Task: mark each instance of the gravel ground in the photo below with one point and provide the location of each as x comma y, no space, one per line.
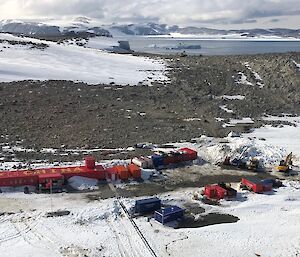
39,114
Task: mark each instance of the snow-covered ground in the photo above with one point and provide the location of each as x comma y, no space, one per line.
268,226
71,62
242,79
286,136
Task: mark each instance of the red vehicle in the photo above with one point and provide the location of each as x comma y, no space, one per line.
214,192
188,154
253,185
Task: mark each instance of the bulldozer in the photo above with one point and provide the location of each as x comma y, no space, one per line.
253,164
285,165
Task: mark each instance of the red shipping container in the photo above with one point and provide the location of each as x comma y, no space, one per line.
255,185
134,171
90,162
179,157
214,192
169,159
122,172
267,187
189,154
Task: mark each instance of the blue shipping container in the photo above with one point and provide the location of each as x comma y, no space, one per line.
158,160
147,205
168,214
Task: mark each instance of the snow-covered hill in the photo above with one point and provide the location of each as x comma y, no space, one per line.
84,26
24,58
80,27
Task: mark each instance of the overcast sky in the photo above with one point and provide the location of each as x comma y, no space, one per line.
209,13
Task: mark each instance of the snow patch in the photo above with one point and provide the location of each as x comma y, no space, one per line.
192,119
241,121
286,136
297,65
243,79
292,119
232,97
224,108
70,62
257,77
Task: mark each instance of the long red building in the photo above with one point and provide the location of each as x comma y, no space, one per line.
32,177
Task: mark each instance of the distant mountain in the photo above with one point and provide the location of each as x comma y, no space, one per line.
85,27
79,28
163,29
142,30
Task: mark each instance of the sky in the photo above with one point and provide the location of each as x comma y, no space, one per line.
209,13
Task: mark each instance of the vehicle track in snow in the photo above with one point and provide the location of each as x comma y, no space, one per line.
121,247
26,229
132,226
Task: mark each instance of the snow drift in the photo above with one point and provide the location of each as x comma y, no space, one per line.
82,183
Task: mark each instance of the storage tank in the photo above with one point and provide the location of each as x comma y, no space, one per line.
90,162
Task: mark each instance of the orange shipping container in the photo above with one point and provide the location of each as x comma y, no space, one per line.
134,170
121,170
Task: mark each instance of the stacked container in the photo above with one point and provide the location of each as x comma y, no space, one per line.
134,171
143,162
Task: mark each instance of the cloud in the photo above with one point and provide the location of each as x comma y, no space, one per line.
181,12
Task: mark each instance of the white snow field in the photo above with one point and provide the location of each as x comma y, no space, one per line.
70,62
286,136
268,226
